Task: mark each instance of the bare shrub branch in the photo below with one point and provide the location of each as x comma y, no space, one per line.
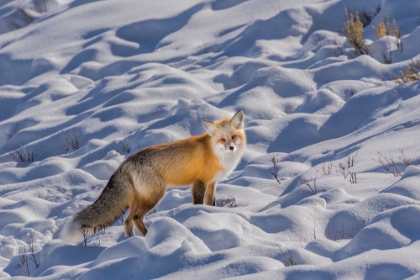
275,170
288,258
226,202
388,164
15,130
291,158
404,159
344,171
23,262
72,140
353,178
29,240
327,168
308,186
22,154
351,159
387,59
344,233
345,168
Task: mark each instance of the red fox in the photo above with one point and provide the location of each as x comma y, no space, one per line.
140,181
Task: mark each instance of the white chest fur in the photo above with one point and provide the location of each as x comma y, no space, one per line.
229,161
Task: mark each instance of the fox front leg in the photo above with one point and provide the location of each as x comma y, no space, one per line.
198,190
209,194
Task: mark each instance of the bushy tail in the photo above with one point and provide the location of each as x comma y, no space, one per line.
109,207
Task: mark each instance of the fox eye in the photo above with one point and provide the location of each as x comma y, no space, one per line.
233,137
223,139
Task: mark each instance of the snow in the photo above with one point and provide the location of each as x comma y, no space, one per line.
120,75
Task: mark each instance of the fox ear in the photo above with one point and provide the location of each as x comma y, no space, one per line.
237,120
209,126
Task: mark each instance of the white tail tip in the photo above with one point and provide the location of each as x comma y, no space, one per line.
72,231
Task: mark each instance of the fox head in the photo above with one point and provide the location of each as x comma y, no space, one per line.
228,134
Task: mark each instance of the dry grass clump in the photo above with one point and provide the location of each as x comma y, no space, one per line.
384,28
353,30
411,73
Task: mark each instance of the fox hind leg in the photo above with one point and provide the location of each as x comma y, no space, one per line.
145,205
128,224
198,190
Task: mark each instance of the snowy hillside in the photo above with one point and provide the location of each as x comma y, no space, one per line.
328,188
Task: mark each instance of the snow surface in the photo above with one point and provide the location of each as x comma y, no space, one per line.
121,75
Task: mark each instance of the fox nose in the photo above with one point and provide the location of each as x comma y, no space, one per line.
231,148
